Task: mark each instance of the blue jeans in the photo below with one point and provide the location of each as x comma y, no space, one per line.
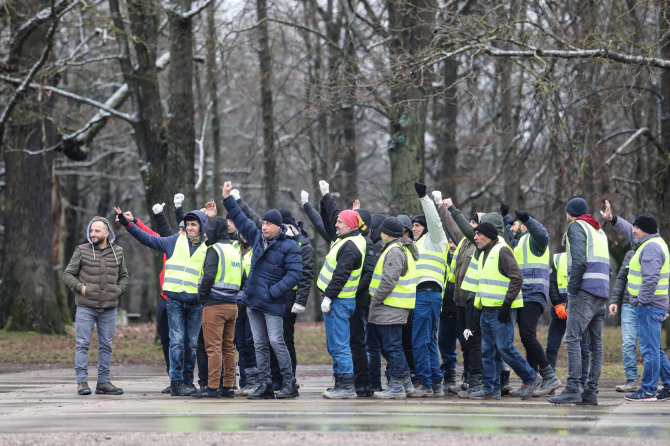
447,334
498,346
424,343
268,330
391,347
629,341
338,335
656,364
373,346
184,321
84,321
585,320
554,339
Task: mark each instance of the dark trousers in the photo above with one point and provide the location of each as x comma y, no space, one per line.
201,359
289,329
390,337
447,334
554,339
472,350
359,355
244,341
527,318
407,342
163,330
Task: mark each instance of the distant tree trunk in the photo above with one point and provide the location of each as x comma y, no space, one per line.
27,295
445,117
270,179
411,23
181,121
213,89
348,117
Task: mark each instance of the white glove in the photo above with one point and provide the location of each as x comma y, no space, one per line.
297,308
304,197
467,333
325,305
323,185
437,196
235,194
178,200
157,208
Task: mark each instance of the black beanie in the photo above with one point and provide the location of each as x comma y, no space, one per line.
365,216
420,219
285,214
392,227
475,218
488,229
647,223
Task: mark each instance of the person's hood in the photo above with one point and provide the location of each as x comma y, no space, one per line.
406,221
110,238
376,227
199,215
496,219
590,220
292,229
304,236
216,230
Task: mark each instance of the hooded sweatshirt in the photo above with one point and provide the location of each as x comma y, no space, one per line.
577,238
167,245
102,271
217,232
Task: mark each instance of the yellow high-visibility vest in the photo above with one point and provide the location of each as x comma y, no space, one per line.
493,286
635,269
183,270
329,265
403,294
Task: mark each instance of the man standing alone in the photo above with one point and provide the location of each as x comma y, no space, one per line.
98,276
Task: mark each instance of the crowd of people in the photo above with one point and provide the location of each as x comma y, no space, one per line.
406,289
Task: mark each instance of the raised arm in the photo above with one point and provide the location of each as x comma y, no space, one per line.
249,212
244,225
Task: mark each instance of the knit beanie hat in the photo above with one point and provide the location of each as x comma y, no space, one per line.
366,217
488,229
647,223
273,216
285,213
392,227
420,219
351,218
576,207
405,221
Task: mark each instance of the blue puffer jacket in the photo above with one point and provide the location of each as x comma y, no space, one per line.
275,268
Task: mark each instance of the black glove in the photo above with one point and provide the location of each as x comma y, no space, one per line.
420,189
523,216
123,220
504,314
504,208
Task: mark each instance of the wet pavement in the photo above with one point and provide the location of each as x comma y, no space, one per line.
37,405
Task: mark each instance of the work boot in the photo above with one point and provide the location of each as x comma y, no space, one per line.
227,392
206,393
589,398
448,381
407,384
344,389
484,395
570,395
421,391
107,389
630,386
528,389
437,389
168,389
505,386
288,390
252,382
474,385
263,392
550,382
395,389
179,388
192,386
83,389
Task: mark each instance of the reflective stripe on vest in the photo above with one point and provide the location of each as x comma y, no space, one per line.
229,276
431,264
635,270
183,270
561,265
295,288
596,279
493,285
329,265
471,279
246,261
451,271
403,294
535,270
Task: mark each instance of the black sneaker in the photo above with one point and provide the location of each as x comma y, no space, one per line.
227,392
179,388
83,389
206,393
168,389
107,389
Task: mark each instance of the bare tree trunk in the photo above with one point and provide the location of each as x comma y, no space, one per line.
270,179
213,89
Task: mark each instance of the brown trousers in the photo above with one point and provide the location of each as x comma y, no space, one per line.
218,330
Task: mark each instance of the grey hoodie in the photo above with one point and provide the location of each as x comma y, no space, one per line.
395,265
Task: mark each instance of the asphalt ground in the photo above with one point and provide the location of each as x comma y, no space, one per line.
42,407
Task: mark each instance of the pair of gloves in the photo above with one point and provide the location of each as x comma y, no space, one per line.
158,207
323,186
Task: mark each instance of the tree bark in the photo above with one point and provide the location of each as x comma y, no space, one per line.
212,86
